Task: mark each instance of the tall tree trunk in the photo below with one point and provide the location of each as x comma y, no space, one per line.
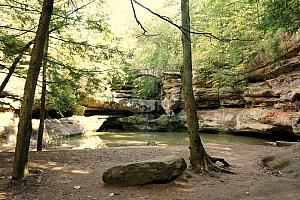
197,152
14,65
39,146
20,169
199,159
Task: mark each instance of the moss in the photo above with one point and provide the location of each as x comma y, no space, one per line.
281,165
268,159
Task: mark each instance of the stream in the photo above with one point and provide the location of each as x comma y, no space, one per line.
116,139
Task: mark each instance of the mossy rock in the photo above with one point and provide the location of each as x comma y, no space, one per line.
145,172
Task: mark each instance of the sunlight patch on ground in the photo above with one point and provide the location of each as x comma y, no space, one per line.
181,182
218,147
56,168
126,143
77,171
49,165
188,190
2,195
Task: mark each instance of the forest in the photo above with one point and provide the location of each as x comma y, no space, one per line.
140,99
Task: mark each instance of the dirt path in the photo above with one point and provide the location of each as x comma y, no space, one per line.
57,173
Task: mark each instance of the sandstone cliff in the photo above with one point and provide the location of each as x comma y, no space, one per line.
263,107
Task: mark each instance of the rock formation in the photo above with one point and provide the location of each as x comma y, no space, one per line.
159,171
261,108
264,107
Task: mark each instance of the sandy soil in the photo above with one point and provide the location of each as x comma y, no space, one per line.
76,174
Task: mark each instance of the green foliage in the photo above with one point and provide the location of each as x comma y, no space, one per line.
242,27
10,46
163,48
219,61
86,58
62,96
83,53
147,87
279,15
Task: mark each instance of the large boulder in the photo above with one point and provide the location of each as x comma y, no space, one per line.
75,125
142,173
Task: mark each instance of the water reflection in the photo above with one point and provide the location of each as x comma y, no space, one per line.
108,139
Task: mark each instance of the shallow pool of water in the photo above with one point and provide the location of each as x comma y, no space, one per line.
101,139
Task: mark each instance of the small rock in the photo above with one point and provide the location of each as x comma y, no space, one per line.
151,143
111,194
76,187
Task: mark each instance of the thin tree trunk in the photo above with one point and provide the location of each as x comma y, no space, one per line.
197,152
39,146
199,159
20,169
14,65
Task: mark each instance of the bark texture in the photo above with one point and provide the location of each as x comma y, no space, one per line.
39,146
20,170
199,159
197,152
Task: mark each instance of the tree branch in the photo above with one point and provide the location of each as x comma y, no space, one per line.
168,20
136,19
14,65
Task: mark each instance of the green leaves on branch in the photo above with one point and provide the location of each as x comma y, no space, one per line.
147,87
279,15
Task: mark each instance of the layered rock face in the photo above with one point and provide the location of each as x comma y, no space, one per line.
281,59
252,121
263,107
122,106
171,86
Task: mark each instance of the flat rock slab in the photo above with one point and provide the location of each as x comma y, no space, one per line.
161,171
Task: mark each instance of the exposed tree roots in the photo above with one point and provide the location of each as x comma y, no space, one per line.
208,164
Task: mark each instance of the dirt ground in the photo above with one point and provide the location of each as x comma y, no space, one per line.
76,174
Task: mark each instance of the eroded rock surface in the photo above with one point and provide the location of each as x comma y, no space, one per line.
123,105
159,171
172,97
259,121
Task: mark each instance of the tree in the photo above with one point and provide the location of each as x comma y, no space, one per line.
39,145
81,46
199,159
20,169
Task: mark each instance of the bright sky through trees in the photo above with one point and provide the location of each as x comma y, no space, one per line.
121,15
